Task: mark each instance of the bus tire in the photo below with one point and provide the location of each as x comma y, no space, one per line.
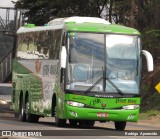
22,114
73,123
86,123
59,122
30,117
89,123
120,125
81,123
33,118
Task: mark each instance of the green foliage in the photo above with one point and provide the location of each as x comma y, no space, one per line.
40,11
123,11
150,102
151,38
150,106
149,114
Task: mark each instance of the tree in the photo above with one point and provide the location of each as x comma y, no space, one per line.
40,11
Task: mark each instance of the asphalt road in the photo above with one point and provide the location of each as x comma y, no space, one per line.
46,127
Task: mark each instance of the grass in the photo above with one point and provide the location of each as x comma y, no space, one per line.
149,115
150,106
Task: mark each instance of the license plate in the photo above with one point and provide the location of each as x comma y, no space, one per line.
102,114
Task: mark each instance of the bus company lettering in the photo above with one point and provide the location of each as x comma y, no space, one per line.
126,101
79,98
95,101
104,96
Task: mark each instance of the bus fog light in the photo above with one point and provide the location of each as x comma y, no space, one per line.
73,113
130,107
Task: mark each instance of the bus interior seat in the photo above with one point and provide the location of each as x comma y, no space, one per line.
80,72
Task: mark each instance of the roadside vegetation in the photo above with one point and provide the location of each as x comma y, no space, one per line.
150,107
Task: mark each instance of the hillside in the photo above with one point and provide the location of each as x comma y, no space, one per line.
150,104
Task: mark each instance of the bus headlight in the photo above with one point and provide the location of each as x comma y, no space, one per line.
3,102
75,104
130,107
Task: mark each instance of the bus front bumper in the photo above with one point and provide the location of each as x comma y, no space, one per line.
101,114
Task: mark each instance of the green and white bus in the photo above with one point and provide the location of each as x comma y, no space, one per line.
80,69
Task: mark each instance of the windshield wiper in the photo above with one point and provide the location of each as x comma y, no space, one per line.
104,86
117,89
93,85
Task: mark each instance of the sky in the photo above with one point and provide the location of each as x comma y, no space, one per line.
6,3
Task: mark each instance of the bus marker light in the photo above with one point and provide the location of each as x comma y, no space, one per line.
99,114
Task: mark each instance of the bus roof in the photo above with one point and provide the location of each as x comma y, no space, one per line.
92,24
101,28
38,28
77,19
82,24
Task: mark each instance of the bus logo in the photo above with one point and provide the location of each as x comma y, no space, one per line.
38,65
103,104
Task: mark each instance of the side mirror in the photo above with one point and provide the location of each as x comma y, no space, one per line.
149,59
63,57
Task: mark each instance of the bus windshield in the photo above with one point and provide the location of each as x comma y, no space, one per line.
103,63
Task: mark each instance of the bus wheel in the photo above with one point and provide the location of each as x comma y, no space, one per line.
120,125
82,123
89,123
86,123
30,117
59,122
73,123
22,114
